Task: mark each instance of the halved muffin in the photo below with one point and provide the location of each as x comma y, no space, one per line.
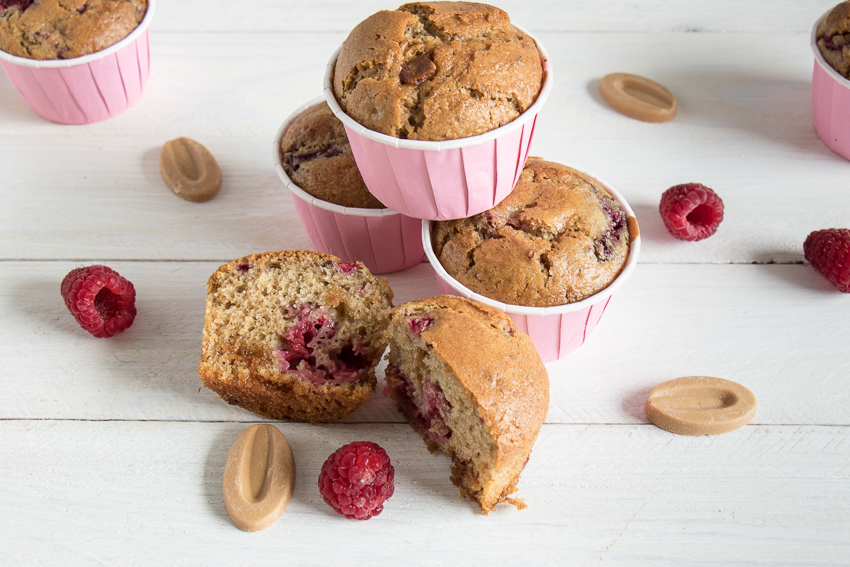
294,334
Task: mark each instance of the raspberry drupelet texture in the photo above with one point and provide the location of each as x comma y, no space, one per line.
356,480
691,211
102,302
828,251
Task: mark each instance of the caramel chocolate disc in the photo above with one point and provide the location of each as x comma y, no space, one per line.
638,97
189,170
700,405
259,477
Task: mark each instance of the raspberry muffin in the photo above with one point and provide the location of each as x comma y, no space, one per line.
473,386
437,71
315,154
833,38
54,29
294,335
558,238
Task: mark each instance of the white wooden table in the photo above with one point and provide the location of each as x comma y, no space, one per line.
111,452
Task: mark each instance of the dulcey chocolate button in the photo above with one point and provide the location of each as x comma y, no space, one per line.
189,170
638,97
259,477
700,405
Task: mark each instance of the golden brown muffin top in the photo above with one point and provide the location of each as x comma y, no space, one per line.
64,29
497,363
833,38
558,238
317,157
437,71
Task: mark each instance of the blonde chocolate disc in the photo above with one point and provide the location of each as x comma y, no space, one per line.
638,97
259,477
700,405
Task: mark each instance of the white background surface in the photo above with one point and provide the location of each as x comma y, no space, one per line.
111,452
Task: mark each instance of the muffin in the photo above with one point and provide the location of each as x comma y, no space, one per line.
473,386
315,154
294,335
437,71
50,29
558,238
833,38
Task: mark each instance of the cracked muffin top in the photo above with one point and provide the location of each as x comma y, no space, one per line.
437,71
558,238
64,29
834,38
315,154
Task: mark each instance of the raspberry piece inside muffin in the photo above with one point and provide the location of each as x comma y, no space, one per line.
427,411
828,251
102,302
691,211
20,4
306,349
357,479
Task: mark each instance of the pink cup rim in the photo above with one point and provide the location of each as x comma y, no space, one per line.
822,63
628,268
523,118
63,63
301,193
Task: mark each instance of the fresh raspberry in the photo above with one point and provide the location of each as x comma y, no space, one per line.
828,251
102,302
691,211
356,479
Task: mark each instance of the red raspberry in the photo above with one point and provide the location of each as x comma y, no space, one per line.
102,302
828,251
356,479
691,211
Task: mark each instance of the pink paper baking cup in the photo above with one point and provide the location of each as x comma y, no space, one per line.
86,89
555,331
442,180
383,239
830,101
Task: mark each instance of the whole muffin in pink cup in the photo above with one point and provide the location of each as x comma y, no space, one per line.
830,43
550,255
313,158
79,61
439,101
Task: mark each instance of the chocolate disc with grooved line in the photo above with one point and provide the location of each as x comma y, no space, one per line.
189,170
700,405
259,477
638,97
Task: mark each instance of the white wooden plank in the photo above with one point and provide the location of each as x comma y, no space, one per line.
570,15
744,129
779,330
141,493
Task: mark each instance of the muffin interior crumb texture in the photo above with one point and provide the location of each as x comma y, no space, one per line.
558,238
833,38
64,29
473,386
437,71
294,334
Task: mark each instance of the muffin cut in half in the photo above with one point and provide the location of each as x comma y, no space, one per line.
473,386
294,335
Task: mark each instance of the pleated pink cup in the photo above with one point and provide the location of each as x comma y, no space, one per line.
383,239
442,180
830,101
555,331
86,89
